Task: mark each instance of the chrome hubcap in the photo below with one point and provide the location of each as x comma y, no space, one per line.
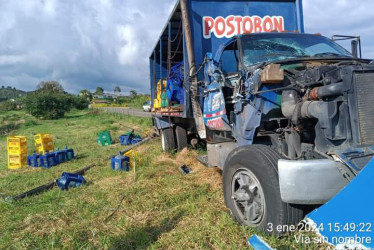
248,197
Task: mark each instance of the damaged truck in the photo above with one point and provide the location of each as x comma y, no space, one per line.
287,116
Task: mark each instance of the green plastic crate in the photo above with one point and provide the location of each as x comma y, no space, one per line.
104,138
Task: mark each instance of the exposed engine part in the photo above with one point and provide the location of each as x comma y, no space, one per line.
289,100
272,74
314,76
334,89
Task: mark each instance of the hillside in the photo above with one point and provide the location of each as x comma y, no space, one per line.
7,93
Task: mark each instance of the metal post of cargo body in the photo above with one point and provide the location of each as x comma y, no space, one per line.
154,75
161,62
169,48
198,116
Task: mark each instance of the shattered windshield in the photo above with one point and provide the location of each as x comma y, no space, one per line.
274,47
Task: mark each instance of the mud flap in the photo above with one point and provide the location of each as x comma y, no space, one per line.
347,220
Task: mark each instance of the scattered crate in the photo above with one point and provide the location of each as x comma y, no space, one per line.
16,141
104,138
15,162
43,143
17,152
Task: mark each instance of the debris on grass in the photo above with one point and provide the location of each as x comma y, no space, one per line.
69,180
185,169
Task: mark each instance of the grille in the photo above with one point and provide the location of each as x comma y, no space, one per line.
365,104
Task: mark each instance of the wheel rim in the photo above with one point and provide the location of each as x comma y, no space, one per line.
248,197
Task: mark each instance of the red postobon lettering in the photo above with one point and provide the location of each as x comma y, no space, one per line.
235,25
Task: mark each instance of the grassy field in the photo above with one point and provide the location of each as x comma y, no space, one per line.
155,207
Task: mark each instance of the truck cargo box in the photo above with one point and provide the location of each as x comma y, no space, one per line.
213,23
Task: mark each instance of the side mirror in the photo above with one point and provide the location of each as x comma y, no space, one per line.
354,47
355,44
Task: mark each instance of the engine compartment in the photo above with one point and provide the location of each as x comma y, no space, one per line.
312,113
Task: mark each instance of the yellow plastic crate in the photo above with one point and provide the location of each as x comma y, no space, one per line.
133,157
44,144
17,150
40,138
17,165
16,141
17,159
42,150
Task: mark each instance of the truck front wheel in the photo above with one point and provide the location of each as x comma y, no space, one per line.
251,190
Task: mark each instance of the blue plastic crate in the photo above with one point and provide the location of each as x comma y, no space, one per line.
33,160
69,180
48,160
120,162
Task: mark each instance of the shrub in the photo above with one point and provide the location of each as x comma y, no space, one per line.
47,105
79,103
8,106
52,105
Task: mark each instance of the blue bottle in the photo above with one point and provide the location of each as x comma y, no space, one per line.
120,162
33,160
60,156
69,153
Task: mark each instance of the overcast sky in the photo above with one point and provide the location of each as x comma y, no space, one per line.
89,43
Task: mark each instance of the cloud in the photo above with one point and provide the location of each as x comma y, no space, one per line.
342,17
89,43
82,44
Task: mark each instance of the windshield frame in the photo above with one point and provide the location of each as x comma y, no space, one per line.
296,58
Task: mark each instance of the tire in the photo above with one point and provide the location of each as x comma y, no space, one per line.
167,139
181,136
258,204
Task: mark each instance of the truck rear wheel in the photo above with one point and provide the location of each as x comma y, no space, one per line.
167,139
181,135
251,190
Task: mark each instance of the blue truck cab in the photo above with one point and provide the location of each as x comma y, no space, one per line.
286,115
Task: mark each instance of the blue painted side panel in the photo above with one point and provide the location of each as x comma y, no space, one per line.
351,212
258,243
200,8
215,116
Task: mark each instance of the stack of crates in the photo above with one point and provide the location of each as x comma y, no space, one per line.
160,99
43,143
104,138
17,152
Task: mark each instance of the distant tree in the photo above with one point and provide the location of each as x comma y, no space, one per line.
117,89
51,105
8,87
99,91
86,94
133,93
47,105
79,102
50,86
3,87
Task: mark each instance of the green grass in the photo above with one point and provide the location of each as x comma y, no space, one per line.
158,206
